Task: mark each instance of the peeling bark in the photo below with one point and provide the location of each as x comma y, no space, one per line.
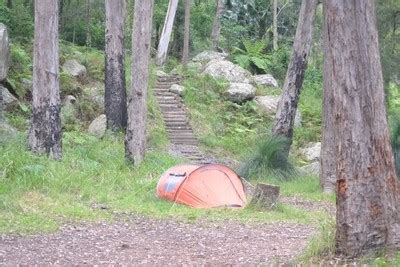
135,138
286,110
115,88
45,131
367,218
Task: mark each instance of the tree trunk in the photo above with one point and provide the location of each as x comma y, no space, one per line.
185,53
216,28
328,158
115,90
88,22
286,111
275,25
166,32
367,218
45,131
135,139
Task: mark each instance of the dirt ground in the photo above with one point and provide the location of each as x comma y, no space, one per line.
143,240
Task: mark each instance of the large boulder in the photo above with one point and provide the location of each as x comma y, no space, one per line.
98,126
177,89
265,80
74,68
224,69
4,52
207,56
312,152
269,104
240,92
7,100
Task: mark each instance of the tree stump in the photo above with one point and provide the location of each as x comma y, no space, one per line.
265,196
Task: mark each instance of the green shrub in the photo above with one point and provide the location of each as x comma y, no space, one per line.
21,68
268,159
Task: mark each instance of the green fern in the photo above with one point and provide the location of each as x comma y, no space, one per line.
252,56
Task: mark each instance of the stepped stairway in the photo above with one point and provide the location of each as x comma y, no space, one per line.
183,141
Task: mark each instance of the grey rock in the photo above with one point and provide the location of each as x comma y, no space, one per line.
95,95
74,68
4,52
312,152
207,56
98,126
26,84
8,101
240,92
265,80
177,89
269,105
161,73
312,168
69,100
223,69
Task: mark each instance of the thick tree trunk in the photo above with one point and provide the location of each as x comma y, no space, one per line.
368,217
45,131
185,53
216,28
286,111
135,139
275,25
328,158
115,90
166,32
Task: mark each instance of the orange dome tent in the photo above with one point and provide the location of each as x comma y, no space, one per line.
207,186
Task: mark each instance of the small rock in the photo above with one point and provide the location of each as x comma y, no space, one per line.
224,69
207,56
177,89
98,126
69,100
265,80
312,168
312,152
240,92
161,73
8,101
269,105
74,68
4,52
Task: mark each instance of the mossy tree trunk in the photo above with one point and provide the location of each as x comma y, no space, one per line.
115,89
135,138
368,192
286,110
45,131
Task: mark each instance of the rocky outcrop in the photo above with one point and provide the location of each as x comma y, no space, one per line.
265,80
4,52
98,126
240,92
177,89
207,56
74,68
312,152
223,69
269,105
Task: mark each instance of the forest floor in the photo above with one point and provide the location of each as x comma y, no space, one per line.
143,240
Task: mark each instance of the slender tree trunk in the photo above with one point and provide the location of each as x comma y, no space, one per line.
166,32
45,131
216,28
275,25
185,53
286,111
9,4
88,22
115,90
135,139
367,218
